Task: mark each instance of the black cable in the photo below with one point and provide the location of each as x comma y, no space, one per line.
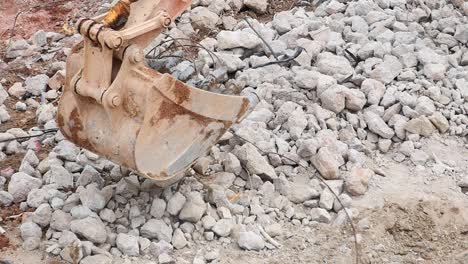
263,40
44,132
286,60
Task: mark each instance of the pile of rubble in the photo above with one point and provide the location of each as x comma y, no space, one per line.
336,85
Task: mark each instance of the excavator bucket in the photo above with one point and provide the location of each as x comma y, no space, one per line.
116,106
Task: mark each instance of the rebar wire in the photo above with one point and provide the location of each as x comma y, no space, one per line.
44,132
210,53
260,36
171,56
162,55
153,50
193,45
159,56
186,51
298,52
353,57
353,227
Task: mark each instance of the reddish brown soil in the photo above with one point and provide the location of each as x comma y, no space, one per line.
13,161
24,120
4,242
31,15
10,211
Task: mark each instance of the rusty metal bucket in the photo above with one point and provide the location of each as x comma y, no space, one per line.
116,106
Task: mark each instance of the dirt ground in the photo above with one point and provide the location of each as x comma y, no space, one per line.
410,216
32,15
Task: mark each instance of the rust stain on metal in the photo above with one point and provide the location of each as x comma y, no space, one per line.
220,132
60,121
78,47
61,124
133,147
227,124
181,92
75,126
168,111
163,174
75,121
209,135
203,121
244,108
130,106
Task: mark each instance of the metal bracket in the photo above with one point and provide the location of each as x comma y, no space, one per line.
104,45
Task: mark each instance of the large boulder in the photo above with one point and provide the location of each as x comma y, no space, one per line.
21,184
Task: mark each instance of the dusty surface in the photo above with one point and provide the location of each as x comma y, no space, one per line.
409,216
